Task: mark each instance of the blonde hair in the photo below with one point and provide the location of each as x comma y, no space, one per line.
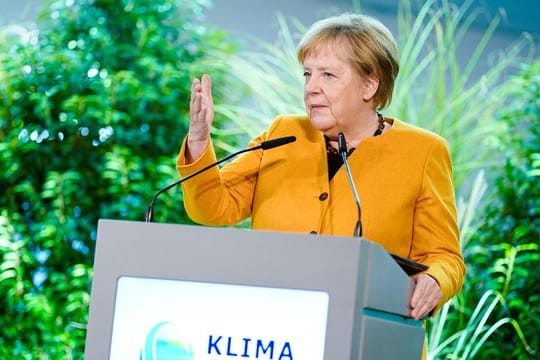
365,42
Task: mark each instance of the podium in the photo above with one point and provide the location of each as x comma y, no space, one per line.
349,294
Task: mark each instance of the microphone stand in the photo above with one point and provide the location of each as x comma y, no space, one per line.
342,145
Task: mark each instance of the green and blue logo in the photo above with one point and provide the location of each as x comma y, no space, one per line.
164,342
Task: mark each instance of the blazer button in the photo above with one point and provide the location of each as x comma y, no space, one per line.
323,196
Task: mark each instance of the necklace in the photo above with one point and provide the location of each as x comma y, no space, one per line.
380,127
382,122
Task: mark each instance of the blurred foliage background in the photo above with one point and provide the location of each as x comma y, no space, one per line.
93,105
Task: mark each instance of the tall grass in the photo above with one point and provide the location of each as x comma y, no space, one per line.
437,90
464,344
450,340
272,77
468,204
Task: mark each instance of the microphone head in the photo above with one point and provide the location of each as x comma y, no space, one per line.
269,144
342,143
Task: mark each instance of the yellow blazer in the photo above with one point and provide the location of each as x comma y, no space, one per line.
403,178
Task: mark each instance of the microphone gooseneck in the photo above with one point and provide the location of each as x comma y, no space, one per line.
342,147
265,145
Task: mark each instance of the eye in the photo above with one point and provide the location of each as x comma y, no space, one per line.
327,74
307,73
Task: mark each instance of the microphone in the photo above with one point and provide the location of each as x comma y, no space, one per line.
265,145
342,147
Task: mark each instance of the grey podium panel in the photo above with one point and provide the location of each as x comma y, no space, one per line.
356,273
387,339
386,289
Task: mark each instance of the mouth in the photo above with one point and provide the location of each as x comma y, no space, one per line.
317,107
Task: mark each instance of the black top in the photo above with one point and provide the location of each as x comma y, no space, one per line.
334,157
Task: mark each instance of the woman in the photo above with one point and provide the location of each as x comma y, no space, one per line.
402,173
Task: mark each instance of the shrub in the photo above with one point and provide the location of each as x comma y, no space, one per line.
93,105
512,221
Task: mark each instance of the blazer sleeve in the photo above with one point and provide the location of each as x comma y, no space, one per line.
435,229
219,197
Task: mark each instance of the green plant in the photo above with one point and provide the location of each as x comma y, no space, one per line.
272,79
458,102
467,206
469,331
512,221
93,106
502,253
535,171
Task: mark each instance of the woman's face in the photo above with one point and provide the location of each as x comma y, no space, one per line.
336,96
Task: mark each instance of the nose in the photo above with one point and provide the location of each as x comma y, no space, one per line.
311,85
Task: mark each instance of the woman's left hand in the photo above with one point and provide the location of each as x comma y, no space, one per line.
426,296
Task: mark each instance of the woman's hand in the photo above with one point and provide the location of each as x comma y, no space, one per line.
426,296
201,116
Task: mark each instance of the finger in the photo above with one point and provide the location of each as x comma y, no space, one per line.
420,307
426,296
425,286
207,89
203,108
425,308
415,298
425,305
195,107
195,99
419,314
195,88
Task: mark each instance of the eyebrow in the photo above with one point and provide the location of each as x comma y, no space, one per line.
320,68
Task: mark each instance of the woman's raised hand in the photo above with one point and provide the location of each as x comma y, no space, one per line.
201,116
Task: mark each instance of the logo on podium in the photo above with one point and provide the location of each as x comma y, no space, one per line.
166,341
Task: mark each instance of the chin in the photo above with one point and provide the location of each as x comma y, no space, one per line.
321,123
